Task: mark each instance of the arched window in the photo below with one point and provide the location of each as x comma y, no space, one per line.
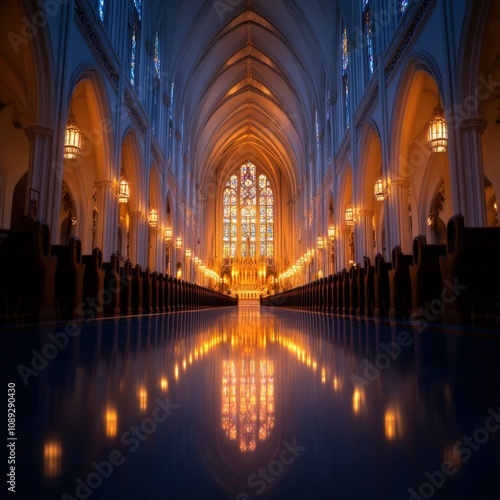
101,7
345,83
248,214
156,83
171,124
368,35
134,39
404,5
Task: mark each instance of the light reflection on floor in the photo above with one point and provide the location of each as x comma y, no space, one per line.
248,403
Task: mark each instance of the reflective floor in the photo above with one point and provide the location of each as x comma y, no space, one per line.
252,403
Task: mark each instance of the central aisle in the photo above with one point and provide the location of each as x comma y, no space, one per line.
245,402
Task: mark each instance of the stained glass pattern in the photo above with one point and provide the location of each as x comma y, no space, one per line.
404,5
101,10
157,61
133,50
248,215
368,33
138,7
345,83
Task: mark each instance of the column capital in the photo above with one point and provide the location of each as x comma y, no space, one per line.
35,130
365,212
136,215
400,182
104,183
477,123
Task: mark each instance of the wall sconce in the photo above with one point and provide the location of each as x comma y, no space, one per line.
153,217
123,191
438,131
349,215
178,242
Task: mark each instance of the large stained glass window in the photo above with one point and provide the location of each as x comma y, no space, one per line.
248,214
368,34
345,83
157,60
134,39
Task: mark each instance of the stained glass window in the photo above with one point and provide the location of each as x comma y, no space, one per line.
133,53
248,214
368,34
138,7
101,10
171,124
404,5
154,120
345,83
157,60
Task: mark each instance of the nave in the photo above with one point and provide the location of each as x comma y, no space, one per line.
250,402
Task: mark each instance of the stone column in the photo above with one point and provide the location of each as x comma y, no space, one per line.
43,189
399,216
468,179
106,230
364,236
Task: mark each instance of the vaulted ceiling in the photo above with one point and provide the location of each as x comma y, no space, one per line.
248,77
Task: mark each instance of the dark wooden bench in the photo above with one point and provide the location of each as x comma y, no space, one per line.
68,283
369,286
93,282
425,272
136,299
27,274
400,284
471,272
126,288
112,286
381,286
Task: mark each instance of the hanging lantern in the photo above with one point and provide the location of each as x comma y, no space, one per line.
438,132
379,189
178,242
123,191
349,216
331,231
153,217
168,234
72,139
188,253
320,244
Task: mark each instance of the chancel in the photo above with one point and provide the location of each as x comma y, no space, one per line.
250,249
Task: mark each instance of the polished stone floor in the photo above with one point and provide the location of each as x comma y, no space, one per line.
245,402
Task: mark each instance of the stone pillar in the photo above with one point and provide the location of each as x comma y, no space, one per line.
468,179
136,222
399,216
106,230
43,189
364,236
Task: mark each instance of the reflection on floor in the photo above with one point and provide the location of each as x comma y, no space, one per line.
249,403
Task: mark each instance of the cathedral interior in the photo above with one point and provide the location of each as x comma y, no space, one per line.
250,249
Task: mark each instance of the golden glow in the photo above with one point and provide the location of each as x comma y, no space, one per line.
168,234
320,242
438,132
111,419
335,383
176,371
331,231
72,140
164,384
391,424
357,400
52,453
323,375
178,242
143,399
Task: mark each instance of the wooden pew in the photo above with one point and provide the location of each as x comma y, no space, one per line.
381,286
136,299
27,273
126,288
400,284
112,285
68,283
369,286
93,282
471,272
425,272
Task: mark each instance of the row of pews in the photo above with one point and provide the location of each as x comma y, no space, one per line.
40,281
457,282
